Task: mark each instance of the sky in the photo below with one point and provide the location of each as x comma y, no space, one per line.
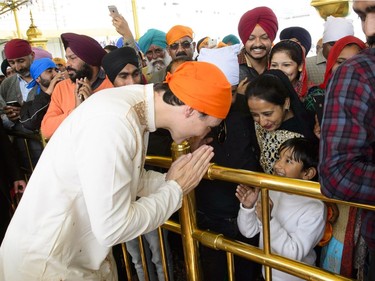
206,17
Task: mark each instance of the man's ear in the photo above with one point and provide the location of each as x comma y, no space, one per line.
188,111
309,173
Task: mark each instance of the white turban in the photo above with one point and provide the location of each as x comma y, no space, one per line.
225,59
337,28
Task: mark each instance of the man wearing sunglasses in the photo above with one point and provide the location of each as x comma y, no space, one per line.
180,42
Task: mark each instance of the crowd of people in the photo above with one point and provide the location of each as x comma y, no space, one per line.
246,102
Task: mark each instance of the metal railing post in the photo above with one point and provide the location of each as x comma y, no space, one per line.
188,223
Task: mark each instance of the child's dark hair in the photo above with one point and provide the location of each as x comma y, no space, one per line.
304,150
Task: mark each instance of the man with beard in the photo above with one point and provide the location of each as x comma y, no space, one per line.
153,44
84,56
257,29
180,42
19,55
45,74
347,141
14,92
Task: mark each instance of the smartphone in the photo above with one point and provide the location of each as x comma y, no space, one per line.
113,11
319,105
13,103
212,43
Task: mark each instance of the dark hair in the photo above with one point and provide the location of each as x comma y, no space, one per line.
268,87
292,48
304,151
110,48
168,97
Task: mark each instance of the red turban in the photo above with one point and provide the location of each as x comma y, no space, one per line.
17,48
203,86
177,32
85,47
263,16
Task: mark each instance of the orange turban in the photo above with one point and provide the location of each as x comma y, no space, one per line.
203,86
177,32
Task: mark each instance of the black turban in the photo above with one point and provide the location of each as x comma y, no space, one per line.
301,34
115,61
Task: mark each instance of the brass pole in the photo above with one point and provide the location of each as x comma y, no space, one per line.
188,223
266,230
135,19
14,10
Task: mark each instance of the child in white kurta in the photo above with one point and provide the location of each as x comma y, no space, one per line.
297,223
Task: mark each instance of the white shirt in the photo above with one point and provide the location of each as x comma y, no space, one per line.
81,198
296,227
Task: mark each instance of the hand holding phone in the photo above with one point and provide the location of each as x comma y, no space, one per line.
113,11
13,103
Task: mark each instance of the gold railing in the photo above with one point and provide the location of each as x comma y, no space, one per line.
218,241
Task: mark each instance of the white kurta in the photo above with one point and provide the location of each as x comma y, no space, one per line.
81,198
296,227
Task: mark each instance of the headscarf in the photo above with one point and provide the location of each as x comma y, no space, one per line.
177,32
231,39
299,110
224,58
301,87
85,47
115,61
152,37
336,28
203,86
17,48
301,34
335,52
41,53
263,16
37,68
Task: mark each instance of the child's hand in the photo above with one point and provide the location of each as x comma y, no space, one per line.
258,210
247,195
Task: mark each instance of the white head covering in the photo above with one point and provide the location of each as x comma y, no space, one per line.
225,59
337,28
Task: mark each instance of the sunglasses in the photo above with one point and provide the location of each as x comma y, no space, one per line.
184,45
222,132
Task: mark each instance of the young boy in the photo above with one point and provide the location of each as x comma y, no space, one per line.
297,222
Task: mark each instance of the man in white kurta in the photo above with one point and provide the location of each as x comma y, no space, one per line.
80,200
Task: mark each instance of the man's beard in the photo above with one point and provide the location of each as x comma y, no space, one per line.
85,71
371,41
44,82
24,72
158,64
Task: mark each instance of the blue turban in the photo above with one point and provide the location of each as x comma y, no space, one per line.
37,68
152,37
231,38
